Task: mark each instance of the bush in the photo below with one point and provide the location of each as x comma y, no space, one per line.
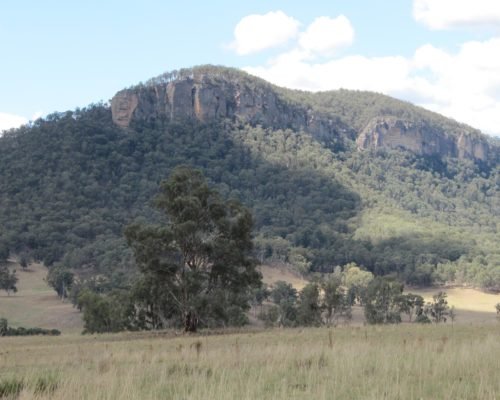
6,330
422,319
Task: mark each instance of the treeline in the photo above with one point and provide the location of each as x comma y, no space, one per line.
329,301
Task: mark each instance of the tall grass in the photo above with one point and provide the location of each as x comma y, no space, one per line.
390,362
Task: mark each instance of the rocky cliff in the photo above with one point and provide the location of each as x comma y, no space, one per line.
206,96
423,139
209,93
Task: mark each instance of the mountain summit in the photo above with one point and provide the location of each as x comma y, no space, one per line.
210,93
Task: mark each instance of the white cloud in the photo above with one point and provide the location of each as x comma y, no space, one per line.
325,35
36,115
464,85
353,72
447,14
322,37
260,32
8,121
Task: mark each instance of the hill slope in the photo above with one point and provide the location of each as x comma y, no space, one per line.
331,178
36,304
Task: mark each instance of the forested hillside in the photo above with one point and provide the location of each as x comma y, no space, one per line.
70,184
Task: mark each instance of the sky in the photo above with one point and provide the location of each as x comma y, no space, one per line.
443,55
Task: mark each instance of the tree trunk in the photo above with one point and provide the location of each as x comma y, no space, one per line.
190,322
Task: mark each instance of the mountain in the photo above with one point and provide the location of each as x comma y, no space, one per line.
207,94
331,178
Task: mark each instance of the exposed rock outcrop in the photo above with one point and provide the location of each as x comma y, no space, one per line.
210,93
206,98
423,139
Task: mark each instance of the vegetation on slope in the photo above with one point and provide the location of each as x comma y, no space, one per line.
72,182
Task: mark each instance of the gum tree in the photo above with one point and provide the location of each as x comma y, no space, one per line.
199,258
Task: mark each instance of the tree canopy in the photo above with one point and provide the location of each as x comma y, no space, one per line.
199,258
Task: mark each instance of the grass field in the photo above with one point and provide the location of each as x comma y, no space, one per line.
349,362
388,362
36,304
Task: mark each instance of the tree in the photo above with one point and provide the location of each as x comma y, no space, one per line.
284,295
4,326
438,309
381,301
356,280
8,280
4,251
411,304
309,307
24,260
61,280
260,294
200,256
105,313
335,300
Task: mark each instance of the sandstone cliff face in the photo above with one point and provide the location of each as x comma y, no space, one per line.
205,99
208,96
423,139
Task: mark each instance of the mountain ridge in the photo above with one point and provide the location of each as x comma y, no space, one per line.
207,93
72,181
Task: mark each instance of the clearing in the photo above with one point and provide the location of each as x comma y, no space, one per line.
36,304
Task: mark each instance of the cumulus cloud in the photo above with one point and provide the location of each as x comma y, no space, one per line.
256,32
325,35
322,38
8,121
447,14
353,72
464,85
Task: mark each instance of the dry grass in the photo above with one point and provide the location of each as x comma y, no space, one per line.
271,275
473,306
389,362
37,305
356,362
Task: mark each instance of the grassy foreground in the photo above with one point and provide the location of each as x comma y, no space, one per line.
389,362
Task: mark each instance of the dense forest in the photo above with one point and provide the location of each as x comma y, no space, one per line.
71,183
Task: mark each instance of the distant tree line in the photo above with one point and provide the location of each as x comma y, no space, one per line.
6,330
329,301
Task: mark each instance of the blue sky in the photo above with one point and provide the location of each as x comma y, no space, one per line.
441,54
